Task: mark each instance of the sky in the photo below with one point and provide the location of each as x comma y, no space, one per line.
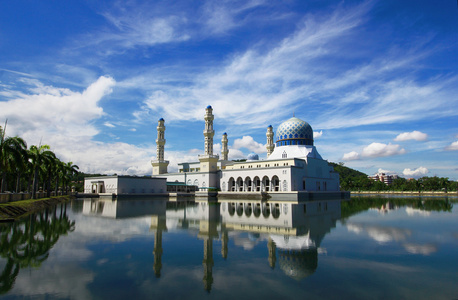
376,80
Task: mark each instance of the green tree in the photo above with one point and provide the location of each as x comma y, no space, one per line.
38,155
68,170
12,152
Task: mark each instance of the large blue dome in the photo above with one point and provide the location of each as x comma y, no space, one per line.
294,132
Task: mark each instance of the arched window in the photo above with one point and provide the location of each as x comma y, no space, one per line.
284,155
285,186
189,182
196,182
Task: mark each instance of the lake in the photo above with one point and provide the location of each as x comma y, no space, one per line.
368,248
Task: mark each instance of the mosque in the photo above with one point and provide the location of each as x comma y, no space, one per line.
293,165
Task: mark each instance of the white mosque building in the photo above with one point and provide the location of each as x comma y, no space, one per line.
293,164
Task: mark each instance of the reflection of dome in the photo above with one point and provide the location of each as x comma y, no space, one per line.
294,132
253,156
298,264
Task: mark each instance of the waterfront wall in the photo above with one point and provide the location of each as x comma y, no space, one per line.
416,193
12,197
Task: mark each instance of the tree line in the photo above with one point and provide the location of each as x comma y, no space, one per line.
25,168
352,180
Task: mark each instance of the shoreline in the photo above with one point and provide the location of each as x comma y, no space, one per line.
11,211
407,193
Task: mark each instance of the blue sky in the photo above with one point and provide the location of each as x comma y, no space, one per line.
376,80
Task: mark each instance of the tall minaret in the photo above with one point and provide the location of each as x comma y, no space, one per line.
208,161
224,150
270,140
160,165
208,131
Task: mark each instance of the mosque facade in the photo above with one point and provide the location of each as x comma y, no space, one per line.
293,163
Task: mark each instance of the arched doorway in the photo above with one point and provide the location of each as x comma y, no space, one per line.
265,184
248,185
275,184
256,184
231,185
239,184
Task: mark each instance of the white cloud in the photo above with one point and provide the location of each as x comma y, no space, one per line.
317,134
108,124
249,143
268,80
419,172
375,150
50,113
452,147
414,135
381,150
353,155
380,170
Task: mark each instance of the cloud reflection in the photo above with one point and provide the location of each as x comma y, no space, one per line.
380,234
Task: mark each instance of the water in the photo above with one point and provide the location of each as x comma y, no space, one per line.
369,248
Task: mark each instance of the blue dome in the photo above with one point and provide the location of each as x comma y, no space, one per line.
209,106
252,156
161,119
294,132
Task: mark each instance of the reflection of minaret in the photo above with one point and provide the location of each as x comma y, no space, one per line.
224,242
208,264
208,230
157,225
224,150
160,165
270,140
272,255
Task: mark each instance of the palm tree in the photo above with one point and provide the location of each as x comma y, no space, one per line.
68,170
38,155
49,168
12,152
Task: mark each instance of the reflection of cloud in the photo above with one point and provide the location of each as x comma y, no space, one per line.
426,249
415,211
246,242
63,281
379,233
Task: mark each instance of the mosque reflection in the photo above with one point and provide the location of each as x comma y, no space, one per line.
293,231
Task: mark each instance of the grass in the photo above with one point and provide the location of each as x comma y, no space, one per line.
11,211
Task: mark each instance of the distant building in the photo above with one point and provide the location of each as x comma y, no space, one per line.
124,185
386,179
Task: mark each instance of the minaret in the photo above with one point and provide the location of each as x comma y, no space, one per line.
160,165
208,161
208,131
270,140
224,150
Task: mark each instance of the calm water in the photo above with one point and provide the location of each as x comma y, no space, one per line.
368,248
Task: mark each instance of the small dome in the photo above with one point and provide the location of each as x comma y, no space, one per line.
294,132
209,107
224,133
161,119
253,156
